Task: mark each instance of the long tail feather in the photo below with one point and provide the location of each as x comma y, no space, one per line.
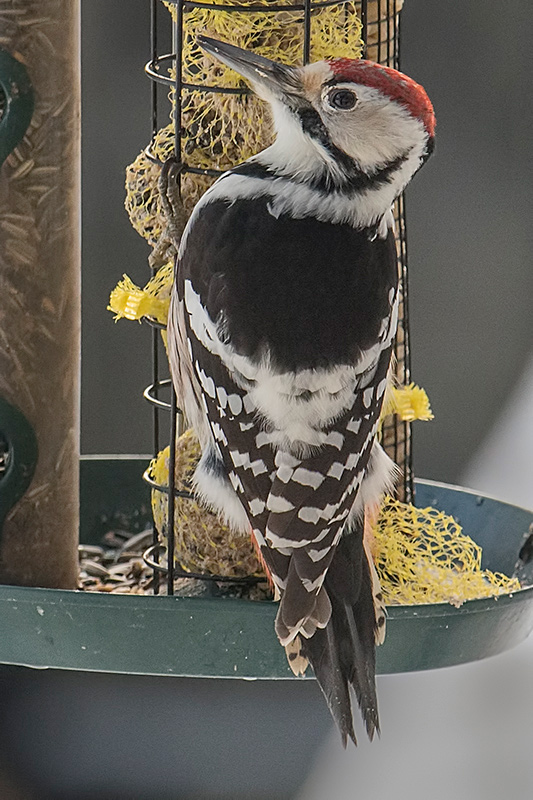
343,654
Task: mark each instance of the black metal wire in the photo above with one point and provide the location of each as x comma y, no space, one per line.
178,80
154,6
154,323
165,489
397,37
151,70
379,58
171,491
148,557
409,485
389,40
307,31
271,8
408,477
399,40
151,394
178,88
184,168
364,26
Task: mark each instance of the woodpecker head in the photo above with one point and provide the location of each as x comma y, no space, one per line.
344,118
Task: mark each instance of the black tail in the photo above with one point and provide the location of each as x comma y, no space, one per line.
343,653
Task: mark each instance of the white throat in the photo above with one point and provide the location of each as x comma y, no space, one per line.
296,162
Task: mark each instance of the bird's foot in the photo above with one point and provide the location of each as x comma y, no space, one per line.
174,212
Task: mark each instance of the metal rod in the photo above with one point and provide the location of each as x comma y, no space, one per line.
397,34
389,40
154,4
151,69
151,394
242,91
409,472
307,31
403,228
155,360
409,485
399,41
238,90
165,489
378,58
264,9
364,23
154,323
152,553
178,65
153,50
171,490
212,173
178,82
184,169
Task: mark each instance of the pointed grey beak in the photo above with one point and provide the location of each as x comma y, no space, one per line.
277,79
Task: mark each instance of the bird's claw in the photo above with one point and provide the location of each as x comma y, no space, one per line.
174,213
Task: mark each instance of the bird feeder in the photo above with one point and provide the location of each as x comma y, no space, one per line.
217,122
40,293
205,635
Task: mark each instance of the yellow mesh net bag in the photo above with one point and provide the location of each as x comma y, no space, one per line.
202,543
129,301
421,554
221,130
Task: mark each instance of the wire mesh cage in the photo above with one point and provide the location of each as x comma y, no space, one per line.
215,123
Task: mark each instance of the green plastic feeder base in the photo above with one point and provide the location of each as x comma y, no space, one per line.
230,638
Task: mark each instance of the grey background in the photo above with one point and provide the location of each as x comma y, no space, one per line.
470,232
469,213
464,732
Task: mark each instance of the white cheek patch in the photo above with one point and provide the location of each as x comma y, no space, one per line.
376,131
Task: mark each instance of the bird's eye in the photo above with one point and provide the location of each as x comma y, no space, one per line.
342,99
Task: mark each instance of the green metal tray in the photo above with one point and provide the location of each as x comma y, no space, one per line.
230,638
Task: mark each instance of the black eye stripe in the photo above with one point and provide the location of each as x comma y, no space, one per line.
342,99
313,125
